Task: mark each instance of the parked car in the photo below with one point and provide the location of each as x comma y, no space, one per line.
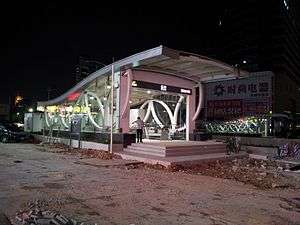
9,132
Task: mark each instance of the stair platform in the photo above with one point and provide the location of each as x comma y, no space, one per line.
180,160
169,153
177,148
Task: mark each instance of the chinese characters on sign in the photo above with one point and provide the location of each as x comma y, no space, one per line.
224,109
240,97
250,89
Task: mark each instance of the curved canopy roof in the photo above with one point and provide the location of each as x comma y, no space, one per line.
164,60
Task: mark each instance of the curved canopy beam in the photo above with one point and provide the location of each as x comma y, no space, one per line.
154,57
200,103
89,112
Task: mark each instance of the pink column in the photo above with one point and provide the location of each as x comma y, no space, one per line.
125,93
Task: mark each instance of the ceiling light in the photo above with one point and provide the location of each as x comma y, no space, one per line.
148,92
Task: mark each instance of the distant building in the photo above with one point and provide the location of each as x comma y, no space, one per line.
264,36
85,67
4,111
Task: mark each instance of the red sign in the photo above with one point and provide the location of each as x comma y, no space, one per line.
220,109
73,96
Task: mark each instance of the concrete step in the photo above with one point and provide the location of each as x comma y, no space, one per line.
169,151
179,160
147,149
148,145
199,147
195,145
138,151
198,151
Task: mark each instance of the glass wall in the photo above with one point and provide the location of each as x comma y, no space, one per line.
92,104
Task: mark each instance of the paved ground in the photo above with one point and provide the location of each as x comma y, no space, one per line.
104,192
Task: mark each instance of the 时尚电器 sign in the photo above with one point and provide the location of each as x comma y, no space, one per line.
239,97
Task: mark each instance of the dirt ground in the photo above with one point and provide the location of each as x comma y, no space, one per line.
111,191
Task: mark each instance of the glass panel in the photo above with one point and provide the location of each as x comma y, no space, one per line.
92,104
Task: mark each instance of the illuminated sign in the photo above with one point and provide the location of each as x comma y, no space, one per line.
251,96
134,84
185,91
161,87
73,96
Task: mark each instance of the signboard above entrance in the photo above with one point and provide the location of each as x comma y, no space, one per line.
161,87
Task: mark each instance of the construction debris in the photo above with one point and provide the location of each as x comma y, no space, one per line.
83,153
35,215
262,174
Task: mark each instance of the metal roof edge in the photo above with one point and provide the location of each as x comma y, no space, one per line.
128,61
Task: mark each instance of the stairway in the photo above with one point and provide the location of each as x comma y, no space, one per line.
170,149
178,153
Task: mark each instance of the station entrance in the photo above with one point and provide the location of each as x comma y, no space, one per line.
163,113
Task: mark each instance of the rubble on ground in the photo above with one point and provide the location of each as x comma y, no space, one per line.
262,174
83,153
36,213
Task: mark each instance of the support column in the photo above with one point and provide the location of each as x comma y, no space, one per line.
187,118
190,111
125,94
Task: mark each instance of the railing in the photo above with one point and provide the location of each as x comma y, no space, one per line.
245,126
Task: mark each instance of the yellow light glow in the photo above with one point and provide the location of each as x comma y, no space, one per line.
40,108
85,109
52,108
18,99
69,109
76,109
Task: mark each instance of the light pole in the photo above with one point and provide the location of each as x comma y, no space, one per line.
112,109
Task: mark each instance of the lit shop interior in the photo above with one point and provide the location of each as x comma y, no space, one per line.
91,104
164,113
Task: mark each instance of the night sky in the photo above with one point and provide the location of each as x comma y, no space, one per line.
41,43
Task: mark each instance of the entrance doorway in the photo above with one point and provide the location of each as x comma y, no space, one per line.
163,113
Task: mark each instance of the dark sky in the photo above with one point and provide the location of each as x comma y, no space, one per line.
41,43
